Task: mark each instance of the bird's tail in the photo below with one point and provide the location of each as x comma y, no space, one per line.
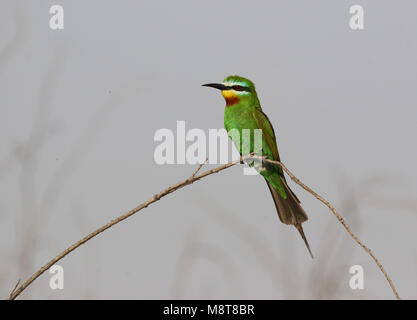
289,209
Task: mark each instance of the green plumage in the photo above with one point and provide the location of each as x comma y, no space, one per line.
247,114
243,111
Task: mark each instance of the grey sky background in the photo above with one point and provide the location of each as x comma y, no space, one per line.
80,106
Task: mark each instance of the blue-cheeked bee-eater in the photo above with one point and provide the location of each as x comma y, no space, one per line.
243,111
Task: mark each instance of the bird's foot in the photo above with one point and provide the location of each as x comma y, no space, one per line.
263,162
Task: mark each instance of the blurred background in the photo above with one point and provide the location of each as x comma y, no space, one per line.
80,106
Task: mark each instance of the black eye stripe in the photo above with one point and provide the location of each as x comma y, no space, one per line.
240,88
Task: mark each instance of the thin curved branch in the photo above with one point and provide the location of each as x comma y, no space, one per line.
338,216
194,177
145,204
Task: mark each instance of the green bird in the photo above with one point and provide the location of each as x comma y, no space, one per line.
243,111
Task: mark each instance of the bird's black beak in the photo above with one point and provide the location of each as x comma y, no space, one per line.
216,86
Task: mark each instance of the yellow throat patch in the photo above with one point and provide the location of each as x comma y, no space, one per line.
229,94
231,97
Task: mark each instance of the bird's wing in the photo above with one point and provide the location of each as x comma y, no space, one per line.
288,207
267,131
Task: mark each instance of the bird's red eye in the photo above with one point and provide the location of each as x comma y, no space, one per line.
238,88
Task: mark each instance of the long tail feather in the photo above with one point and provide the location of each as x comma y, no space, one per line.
301,231
289,210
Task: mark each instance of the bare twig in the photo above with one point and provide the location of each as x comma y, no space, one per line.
199,168
145,204
194,177
15,287
338,216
